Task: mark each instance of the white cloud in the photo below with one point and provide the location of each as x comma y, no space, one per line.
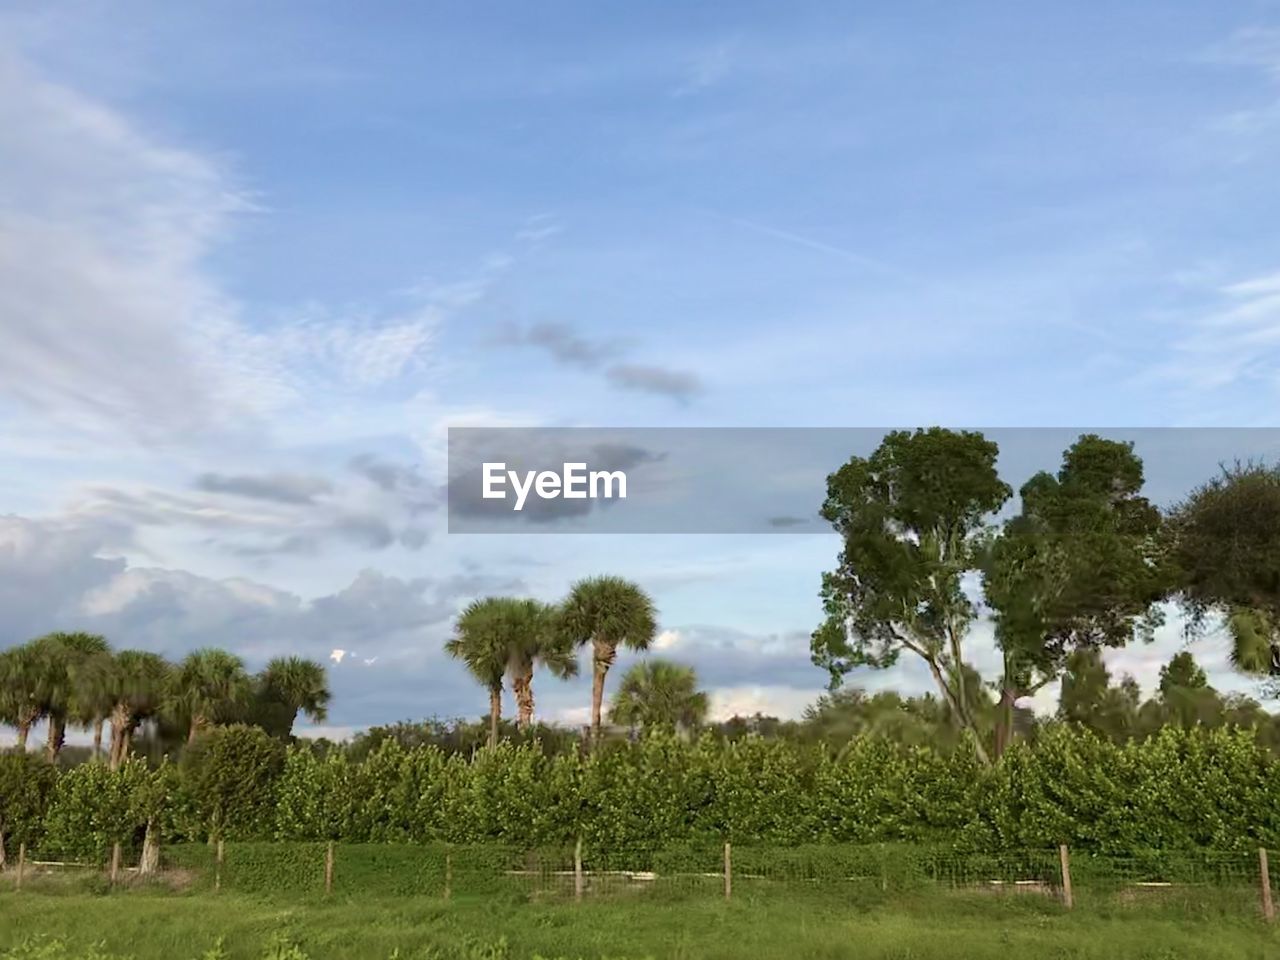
666,640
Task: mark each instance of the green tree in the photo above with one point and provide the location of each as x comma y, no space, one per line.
26,781
658,693
606,612
532,640
209,686
230,774
480,642
1079,566
64,659
1226,547
139,683
297,685
1089,700
22,700
911,518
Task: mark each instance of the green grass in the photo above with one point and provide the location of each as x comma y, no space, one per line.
158,924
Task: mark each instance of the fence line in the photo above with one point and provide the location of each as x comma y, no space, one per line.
444,870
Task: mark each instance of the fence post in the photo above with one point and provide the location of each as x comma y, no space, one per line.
328,868
115,863
1268,908
22,862
1065,859
217,874
577,869
728,871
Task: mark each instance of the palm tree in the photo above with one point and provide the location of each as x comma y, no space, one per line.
479,642
93,695
529,635
63,657
209,686
21,690
299,685
140,681
606,612
658,693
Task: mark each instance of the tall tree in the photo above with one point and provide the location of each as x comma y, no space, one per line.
531,639
1079,566
911,517
63,656
210,686
139,686
606,612
299,686
480,642
658,693
1089,699
22,700
1226,546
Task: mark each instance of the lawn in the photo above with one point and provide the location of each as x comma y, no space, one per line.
157,924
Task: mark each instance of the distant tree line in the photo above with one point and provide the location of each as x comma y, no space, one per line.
76,680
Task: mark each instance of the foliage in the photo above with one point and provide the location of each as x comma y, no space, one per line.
94,807
910,517
229,774
658,693
26,782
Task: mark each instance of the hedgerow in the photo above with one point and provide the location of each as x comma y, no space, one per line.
1178,791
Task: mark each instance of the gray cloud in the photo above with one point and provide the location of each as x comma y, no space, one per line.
413,491
566,346
676,384
563,343
783,523
279,487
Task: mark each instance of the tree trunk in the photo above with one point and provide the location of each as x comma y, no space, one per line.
1004,720
150,859
57,736
98,724
495,714
3,864
522,687
119,734
950,696
197,722
24,730
604,655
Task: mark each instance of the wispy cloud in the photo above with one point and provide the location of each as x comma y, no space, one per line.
829,249
567,346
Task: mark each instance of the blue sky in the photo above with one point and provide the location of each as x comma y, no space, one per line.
255,259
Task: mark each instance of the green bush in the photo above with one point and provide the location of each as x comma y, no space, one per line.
229,775
1182,790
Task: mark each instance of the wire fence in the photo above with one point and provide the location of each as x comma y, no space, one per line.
1194,880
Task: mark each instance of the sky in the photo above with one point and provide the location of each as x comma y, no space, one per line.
255,260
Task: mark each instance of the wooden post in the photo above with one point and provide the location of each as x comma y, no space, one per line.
1065,859
328,868
217,874
22,862
448,874
115,863
577,870
728,871
1268,908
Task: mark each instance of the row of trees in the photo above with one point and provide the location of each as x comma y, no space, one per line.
1084,564
77,680
1182,790
505,638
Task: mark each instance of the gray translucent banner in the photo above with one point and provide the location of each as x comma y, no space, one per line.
716,480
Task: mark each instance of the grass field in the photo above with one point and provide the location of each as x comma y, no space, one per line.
156,924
